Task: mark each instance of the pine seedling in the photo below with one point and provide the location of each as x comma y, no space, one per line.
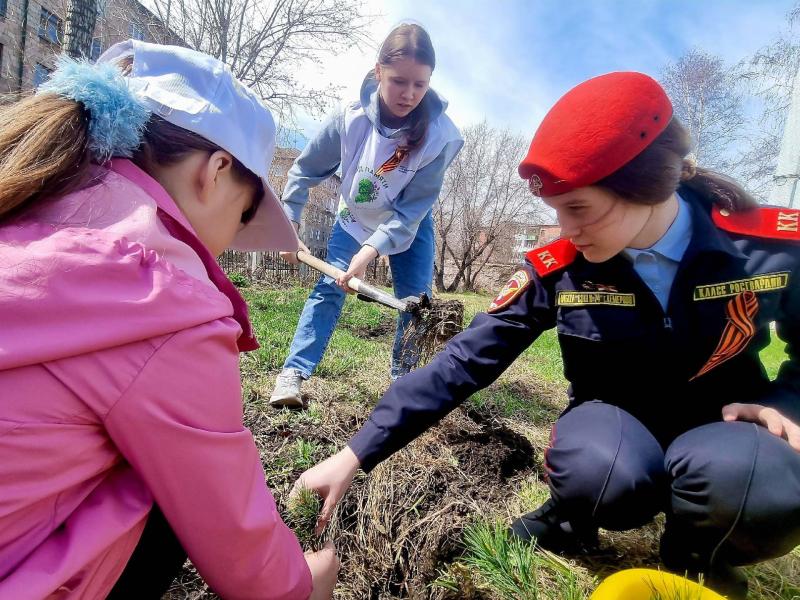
302,513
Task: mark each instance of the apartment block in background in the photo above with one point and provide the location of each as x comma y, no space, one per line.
32,31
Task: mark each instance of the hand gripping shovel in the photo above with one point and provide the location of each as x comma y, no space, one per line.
366,291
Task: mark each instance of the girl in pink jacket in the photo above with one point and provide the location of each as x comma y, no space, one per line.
122,446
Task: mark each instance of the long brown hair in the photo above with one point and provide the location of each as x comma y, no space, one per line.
43,149
657,172
410,40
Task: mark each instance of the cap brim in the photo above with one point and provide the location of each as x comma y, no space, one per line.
270,229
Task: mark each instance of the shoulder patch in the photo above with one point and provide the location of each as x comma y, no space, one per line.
516,285
767,222
552,257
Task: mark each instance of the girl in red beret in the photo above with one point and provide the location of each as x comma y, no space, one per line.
662,290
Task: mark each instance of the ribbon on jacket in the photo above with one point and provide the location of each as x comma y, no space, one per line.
739,330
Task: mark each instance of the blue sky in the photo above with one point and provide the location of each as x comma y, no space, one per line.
510,60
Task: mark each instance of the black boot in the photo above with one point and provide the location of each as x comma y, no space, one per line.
682,554
552,531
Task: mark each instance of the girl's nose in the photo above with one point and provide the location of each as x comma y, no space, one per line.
568,230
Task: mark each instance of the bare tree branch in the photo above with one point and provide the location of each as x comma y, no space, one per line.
482,198
266,42
770,77
707,100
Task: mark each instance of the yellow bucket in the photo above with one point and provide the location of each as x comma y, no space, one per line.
647,584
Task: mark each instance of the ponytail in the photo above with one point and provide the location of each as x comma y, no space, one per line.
85,114
721,190
43,140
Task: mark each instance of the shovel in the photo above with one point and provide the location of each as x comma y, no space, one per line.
366,291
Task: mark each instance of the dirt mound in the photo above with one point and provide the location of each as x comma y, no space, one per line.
432,325
398,527
494,453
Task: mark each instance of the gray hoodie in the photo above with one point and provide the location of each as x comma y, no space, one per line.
322,156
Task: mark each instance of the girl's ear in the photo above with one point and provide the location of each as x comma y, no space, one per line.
219,163
378,71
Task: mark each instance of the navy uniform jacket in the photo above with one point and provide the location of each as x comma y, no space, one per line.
673,369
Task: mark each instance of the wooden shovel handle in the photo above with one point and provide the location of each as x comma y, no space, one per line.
362,287
327,268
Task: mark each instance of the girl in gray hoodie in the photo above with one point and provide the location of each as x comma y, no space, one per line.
392,146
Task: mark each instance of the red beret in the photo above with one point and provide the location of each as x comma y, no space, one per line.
593,130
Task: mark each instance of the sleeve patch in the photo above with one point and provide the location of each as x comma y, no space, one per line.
552,257
516,285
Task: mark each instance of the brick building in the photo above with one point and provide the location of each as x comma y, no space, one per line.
31,33
320,212
528,237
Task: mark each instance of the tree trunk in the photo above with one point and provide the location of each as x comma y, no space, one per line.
79,27
438,277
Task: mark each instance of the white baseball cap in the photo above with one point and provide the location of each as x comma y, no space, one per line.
199,93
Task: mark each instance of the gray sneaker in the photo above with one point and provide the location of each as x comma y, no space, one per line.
287,390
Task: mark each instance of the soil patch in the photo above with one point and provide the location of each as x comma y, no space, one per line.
383,328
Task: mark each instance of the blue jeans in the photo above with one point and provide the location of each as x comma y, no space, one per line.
412,273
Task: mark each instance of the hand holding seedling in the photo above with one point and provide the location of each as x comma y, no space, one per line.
330,479
301,516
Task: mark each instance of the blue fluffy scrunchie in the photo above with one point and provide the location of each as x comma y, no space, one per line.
116,118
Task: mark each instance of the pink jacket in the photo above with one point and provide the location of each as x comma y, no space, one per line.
119,386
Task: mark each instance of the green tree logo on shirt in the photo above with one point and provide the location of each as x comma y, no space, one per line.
367,192
345,216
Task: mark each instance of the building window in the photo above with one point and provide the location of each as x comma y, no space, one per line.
3,8
40,74
1,60
137,32
51,28
97,49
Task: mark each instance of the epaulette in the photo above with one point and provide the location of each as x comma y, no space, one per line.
766,222
552,257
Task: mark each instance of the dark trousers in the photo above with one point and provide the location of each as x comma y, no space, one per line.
731,491
154,564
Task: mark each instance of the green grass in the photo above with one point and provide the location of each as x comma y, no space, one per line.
275,314
512,569
305,454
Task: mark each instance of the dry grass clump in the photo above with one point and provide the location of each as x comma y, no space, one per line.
400,525
432,325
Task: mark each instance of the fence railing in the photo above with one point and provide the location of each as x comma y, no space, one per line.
269,267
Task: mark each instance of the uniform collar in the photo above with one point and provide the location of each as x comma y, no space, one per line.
674,242
706,237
